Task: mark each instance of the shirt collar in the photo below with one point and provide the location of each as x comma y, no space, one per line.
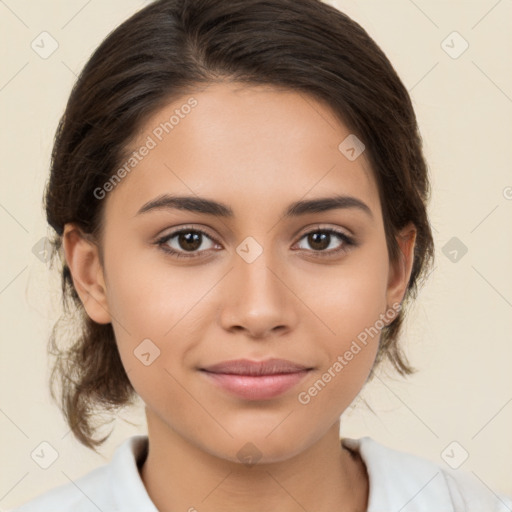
126,483
397,480
401,481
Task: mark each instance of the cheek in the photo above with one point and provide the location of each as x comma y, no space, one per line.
351,303
148,327
149,297
158,317
354,315
352,297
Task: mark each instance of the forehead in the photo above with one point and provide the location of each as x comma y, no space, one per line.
243,143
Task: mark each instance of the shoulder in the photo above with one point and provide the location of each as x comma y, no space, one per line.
113,487
403,481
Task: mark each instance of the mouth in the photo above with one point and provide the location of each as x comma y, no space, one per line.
256,380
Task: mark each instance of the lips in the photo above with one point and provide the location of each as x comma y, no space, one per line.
256,380
247,367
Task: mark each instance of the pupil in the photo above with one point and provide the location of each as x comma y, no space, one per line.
317,240
189,241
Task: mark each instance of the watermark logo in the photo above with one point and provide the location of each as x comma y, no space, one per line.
454,249
455,455
249,454
351,147
249,249
146,352
454,45
42,249
44,455
45,45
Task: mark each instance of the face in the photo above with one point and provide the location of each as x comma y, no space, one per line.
188,285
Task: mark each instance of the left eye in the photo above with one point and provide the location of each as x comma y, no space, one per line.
321,240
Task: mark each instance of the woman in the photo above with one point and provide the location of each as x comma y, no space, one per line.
238,194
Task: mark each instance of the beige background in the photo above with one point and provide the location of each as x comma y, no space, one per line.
459,335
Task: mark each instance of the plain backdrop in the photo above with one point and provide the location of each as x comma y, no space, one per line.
459,333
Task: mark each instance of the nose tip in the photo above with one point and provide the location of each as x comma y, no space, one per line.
257,301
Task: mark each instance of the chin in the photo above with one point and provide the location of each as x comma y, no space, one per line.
257,446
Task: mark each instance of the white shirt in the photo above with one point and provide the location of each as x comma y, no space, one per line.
398,482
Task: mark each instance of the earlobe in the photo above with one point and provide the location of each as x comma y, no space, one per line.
400,271
82,258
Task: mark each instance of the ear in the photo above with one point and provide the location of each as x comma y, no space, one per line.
400,271
83,260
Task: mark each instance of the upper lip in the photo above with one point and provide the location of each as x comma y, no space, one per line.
248,367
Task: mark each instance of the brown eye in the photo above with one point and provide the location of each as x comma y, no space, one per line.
321,240
191,241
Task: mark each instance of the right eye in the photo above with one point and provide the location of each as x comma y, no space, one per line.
185,242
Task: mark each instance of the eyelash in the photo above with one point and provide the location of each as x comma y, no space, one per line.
347,242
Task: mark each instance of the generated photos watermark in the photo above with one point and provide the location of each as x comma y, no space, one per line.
151,142
304,397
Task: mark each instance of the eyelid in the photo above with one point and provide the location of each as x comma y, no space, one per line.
324,227
185,227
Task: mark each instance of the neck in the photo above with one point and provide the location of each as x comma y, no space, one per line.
179,475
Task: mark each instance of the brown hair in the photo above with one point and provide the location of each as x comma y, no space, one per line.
163,52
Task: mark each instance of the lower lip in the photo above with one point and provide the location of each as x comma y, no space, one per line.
261,387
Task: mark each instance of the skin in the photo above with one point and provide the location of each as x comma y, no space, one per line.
256,149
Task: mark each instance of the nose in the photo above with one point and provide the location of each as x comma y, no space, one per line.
258,299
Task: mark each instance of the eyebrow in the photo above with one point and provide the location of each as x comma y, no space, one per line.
209,207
